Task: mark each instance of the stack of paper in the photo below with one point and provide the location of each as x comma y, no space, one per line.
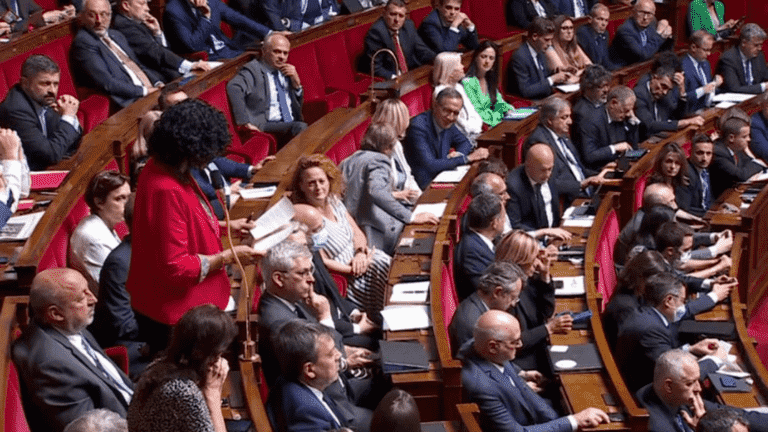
274,221
452,176
436,209
257,192
732,97
520,113
568,88
20,227
398,318
410,292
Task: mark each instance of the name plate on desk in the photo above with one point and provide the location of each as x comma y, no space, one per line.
410,292
569,358
452,176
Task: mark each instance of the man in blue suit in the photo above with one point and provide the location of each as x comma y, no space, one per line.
434,144
294,15
503,391
594,38
575,8
447,26
759,129
476,251
674,401
640,37
611,131
743,67
652,329
699,85
310,364
195,25
733,161
527,72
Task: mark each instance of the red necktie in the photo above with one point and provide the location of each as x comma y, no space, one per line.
399,54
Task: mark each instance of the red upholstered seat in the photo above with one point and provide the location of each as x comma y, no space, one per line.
318,100
119,355
449,300
337,67
15,421
606,282
490,19
418,15
639,190
758,325
343,148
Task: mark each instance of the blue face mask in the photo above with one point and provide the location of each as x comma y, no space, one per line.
679,313
319,239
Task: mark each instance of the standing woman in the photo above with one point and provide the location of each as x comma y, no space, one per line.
394,113
482,84
565,54
448,72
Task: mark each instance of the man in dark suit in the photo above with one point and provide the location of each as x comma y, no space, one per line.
595,82
432,134
528,74
266,95
733,162
447,26
293,15
674,401
147,40
310,364
501,389
743,67
498,289
62,371
572,177
17,13
521,13
398,34
759,129
475,251
48,127
661,99
697,196
699,85
652,329
593,38
610,131
195,25
102,58
640,36
575,8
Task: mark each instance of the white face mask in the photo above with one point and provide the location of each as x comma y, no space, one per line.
319,239
679,313
684,258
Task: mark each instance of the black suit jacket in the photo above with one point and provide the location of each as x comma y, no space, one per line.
26,9
732,70
520,13
523,210
724,172
595,134
416,52
689,198
524,78
536,306
95,66
620,307
670,108
464,319
472,256
150,52
19,112
58,383
595,46
440,38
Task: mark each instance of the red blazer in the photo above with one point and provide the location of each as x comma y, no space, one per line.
170,228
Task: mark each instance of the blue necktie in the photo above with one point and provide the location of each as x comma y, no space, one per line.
285,113
43,122
313,11
706,195
332,405
748,73
680,423
15,4
92,354
644,37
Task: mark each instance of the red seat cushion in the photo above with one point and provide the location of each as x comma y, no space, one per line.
448,299
639,190
606,282
15,421
56,253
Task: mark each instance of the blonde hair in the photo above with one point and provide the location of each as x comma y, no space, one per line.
392,112
517,247
445,63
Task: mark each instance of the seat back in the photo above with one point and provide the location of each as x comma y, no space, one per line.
449,299
609,233
640,190
490,18
418,15
14,420
335,63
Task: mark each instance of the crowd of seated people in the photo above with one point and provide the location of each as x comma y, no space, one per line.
349,217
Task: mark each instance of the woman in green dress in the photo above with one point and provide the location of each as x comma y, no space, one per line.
482,84
709,15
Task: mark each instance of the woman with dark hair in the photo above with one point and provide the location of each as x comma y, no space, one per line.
396,412
482,84
629,290
644,238
318,182
565,54
182,260
95,236
181,390
369,198
670,167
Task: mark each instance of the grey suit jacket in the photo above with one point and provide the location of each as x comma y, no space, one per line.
249,95
368,175
58,383
464,320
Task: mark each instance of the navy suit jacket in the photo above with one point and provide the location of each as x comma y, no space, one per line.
732,70
524,78
627,47
229,169
595,46
505,407
644,337
95,66
472,256
520,13
440,38
693,81
416,52
187,31
759,130
596,135
273,11
621,306
535,307
661,417
689,197
464,320
670,108
19,112
58,383
427,152
565,7
522,208
724,172
293,407
149,50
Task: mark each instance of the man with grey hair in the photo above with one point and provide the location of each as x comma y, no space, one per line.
62,370
700,87
640,36
723,420
432,134
674,401
610,131
498,289
572,177
98,420
743,67
503,391
489,183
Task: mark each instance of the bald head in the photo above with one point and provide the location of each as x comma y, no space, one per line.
497,336
275,50
659,194
539,162
60,297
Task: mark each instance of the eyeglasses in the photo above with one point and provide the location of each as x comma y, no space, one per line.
516,343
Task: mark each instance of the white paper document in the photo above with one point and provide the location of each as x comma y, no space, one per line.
568,88
725,104
410,292
571,286
271,240
581,221
273,219
398,318
257,192
20,227
436,209
452,176
732,97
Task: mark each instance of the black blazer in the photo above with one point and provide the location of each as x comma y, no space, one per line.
26,9
472,256
524,78
520,13
148,49
595,46
595,134
730,67
522,208
670,108
689,197
416,52
536,306
464,319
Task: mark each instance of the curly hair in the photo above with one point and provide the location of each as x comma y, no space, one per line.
492,76
191,131
681,179
316,160
100,186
